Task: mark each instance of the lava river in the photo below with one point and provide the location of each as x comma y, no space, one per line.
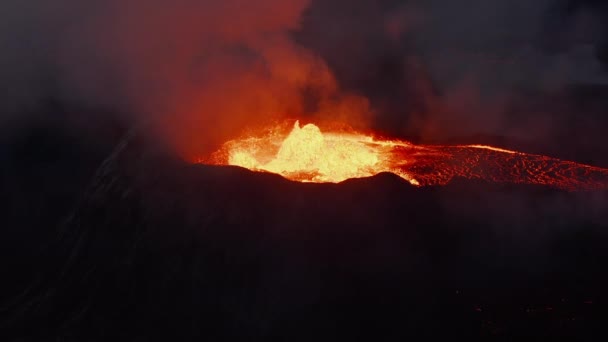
307,154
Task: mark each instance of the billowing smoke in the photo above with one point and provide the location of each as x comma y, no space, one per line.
481,54
200,71
440,69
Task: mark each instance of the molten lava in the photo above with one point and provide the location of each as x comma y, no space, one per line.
306,154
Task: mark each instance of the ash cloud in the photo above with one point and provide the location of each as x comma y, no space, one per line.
203,70
440,69
480,53
198,70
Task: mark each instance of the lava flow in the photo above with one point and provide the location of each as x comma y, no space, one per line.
306,154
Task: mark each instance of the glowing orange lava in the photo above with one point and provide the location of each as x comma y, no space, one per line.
306,154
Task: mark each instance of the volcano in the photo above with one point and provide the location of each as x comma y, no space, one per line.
303,170
164,249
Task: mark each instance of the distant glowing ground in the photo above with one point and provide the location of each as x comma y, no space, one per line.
308,155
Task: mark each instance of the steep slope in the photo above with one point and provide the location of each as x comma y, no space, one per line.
160,249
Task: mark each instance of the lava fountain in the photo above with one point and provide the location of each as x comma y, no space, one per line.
306,154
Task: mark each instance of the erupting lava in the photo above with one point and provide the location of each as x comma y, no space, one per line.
308,155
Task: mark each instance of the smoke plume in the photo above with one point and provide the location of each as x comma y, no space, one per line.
200,71
440,69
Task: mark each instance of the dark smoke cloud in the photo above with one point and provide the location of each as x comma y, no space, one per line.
479,52
202,70
442,68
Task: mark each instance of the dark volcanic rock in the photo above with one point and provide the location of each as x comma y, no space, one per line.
163,250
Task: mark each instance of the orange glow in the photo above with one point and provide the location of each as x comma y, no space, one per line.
306,154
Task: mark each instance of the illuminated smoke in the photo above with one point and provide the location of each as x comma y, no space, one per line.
195,71
202,70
